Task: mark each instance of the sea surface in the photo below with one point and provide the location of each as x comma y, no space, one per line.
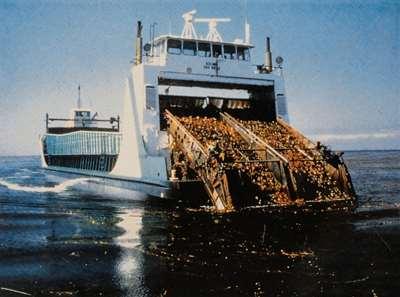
60,237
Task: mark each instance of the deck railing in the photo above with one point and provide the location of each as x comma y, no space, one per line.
85,124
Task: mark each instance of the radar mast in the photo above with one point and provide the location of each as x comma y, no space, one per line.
188,29
213,34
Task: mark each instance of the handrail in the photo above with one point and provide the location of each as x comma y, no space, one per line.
111,120
304,154
295,132
169,115
239,126
284,175
215,184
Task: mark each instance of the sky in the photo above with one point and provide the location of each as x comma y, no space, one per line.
341,61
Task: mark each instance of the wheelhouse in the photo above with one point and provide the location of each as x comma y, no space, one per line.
173,45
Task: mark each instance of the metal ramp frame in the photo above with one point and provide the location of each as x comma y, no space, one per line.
215,182
278,164
340,172
216,179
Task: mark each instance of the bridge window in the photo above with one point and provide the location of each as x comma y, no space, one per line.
229,52
243,53
82,113
217,50
189,48
174,46
204,50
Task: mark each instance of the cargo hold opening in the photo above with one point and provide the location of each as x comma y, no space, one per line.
246,102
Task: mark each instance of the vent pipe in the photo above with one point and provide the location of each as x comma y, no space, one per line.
268,57
139,43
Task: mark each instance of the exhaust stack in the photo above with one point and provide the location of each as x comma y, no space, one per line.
139,44
268,57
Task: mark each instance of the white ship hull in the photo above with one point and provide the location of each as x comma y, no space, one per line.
132,184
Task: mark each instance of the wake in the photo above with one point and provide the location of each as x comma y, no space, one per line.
55,189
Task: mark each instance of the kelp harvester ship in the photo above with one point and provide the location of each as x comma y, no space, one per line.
199,117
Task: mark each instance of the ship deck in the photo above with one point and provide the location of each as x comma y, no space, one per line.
64,130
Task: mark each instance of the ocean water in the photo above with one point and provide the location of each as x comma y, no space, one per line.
60,237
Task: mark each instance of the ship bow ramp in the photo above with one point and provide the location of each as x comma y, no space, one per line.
247,164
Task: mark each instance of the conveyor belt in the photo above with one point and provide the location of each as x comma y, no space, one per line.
242,164
319,174
279,168
198,159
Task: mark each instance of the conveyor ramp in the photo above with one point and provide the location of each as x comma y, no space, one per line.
255,164
318,174
237,172
197,158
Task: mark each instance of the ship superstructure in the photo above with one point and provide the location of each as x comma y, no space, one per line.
83,143
198,111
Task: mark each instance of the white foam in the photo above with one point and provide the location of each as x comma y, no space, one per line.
55,189
128,265
132,224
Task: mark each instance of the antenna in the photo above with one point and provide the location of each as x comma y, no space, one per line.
79,103
247,32
213,34
188,29
152,36
246,25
